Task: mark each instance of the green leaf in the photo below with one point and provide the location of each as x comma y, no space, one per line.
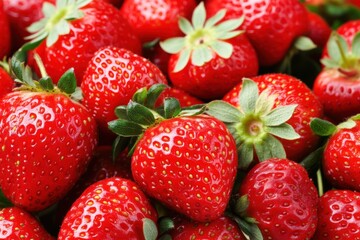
46,83
149,229
199,16
212,21
67,82
153,94
250,229
241,205
193,110
201,55
77,95
185,26
139,114
246,155
355,46
229,25
248,95
173,45
348,124
183,59
171,107
279,115
125,128
121,112
270,147
322,127
223,111
140,95
229,35
312,162
336,45
223,49
284,131
264,103
165,224
119,145
330,63
303,43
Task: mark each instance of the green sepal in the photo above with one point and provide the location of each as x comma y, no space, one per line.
355,45
312,162
121,112
150,230
192,110
348,124
246,155
165,224
139,114
119,145
172,107
248,95
223,111
270,147
336,47
140,96
67,82
241,205
153,94
46,83
285,131
250,229
322,127
125,128
183,59
279,115
304,43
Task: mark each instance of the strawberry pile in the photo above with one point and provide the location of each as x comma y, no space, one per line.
180,119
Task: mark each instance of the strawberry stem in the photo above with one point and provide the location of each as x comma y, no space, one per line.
320,184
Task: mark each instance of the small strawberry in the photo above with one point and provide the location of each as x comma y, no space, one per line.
155,19
16,223
74,31
184,159
269,116
112,77
212,58
46,139
5,40
338,215
280,198
113,208
6,82
319,30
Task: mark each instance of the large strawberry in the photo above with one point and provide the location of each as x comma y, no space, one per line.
15,223
112,77
212,58
113,208
269,116
155,19
338,216
46,139
281,199
5,40
271,25
74,31
185,159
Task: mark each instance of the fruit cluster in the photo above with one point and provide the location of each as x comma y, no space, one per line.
180,119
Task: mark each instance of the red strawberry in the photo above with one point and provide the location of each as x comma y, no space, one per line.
112,77
281,198
16,223
185,99
338,215
21,14
319,30
72,45
46,139
6,82
155,19
5,40
158,57
113,208
212,58
271,25
273,117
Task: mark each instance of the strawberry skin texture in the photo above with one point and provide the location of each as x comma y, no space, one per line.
282,199
341,161
111,79
102,25
156,19
112,208
46,143
16,223
271,25
221,228
289,90
219,75
338,213
189,164
5,40
6,82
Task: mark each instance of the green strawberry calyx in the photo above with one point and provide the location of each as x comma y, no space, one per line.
341,57
256,125
56,21
203,38
324,128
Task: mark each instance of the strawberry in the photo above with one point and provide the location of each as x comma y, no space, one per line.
185,99
157,56
75,36
338,215
280,198
16,223
156,19
6,82
271,25
319,30
270,115
21,14
184,159
212,58
46,139
112,77
5,40
113,208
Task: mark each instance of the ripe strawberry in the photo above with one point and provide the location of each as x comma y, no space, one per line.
156,19
338,215
21,14
271,25
6,82
185,99
157,56
112,77
182,158
46,139
319,30
113,208
212,58
16,223
78,34
271,117
5,40
281,198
